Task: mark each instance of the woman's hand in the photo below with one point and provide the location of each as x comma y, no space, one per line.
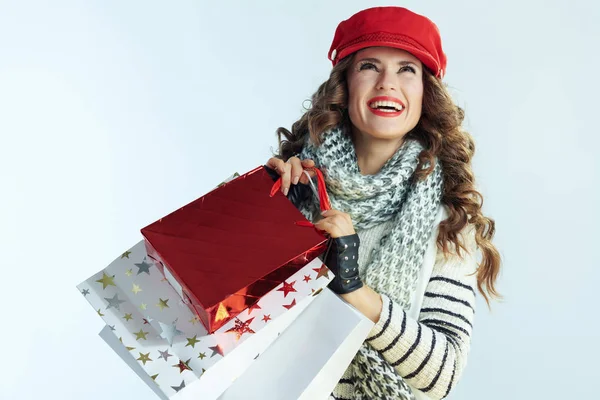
336,223
291,171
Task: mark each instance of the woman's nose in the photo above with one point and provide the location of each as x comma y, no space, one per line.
387,81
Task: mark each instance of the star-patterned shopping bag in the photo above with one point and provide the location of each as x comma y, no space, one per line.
152,322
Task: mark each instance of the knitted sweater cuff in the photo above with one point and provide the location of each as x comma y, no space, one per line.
380,335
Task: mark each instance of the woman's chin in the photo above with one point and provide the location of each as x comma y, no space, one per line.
386,133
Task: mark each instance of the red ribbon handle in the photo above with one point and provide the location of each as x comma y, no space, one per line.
324,202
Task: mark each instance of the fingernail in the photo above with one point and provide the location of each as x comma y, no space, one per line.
285,191
296,179
323,212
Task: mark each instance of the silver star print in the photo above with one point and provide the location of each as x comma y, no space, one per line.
169,332
165,354
114,302
178,388
143,267
85,292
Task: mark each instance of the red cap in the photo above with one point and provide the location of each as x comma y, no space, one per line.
395,27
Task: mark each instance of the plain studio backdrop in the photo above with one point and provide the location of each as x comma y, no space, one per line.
115,113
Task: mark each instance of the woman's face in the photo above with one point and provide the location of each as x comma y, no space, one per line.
385,88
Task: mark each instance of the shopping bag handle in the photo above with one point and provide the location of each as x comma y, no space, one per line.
321,193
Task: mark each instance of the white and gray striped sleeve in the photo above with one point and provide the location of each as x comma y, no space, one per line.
430,354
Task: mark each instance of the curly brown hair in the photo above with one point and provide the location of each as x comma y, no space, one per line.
440,131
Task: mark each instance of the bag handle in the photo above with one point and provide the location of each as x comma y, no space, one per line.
324,202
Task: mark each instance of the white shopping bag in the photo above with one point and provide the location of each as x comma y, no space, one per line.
167,342
309,357
219,377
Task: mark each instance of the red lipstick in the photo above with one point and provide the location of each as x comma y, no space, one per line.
382,113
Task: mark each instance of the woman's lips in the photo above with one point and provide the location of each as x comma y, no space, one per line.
382,113
385,101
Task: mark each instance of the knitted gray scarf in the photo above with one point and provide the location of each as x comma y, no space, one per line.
373,199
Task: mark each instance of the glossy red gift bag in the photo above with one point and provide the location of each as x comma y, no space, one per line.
225,250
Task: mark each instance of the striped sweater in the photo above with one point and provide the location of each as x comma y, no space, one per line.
409,358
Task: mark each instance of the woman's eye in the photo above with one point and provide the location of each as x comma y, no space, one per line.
367,66
407,68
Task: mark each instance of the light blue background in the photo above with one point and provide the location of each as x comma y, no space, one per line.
114,113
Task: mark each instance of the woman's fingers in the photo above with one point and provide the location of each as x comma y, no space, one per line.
336,223
307,164
291,172
286,177
329,226
297,169
283,169
276,164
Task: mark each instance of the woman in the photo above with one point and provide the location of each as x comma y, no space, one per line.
406,218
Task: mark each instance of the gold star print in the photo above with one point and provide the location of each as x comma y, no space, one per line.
126,254
154,377
106,280
136,289
201,356
129,272
144,358
128,317
192,341
100,314
143,306
140,335
162,304
127,347
194,320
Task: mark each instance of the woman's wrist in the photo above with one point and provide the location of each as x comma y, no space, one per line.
367,301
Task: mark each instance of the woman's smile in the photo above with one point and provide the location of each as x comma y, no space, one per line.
386,106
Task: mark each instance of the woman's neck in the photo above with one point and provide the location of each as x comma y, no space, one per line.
372,153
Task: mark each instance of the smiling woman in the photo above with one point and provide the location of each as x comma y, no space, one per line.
406,220
383,82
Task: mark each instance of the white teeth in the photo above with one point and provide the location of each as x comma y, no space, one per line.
377,104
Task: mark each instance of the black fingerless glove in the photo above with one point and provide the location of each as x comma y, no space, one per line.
297,193
342,259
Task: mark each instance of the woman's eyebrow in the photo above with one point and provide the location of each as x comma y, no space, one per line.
377,61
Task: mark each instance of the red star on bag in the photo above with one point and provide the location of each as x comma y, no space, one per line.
292,304
241,327
323,271
287,288
183,365
253,307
